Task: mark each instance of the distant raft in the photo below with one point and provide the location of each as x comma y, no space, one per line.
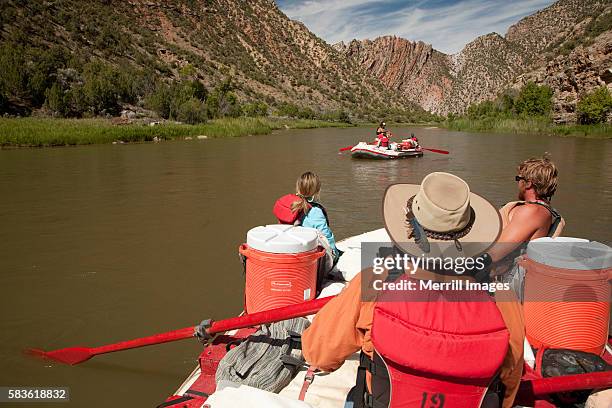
363,150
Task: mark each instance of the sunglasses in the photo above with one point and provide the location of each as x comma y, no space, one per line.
519,178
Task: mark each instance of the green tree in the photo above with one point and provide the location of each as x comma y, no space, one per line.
42,72
481,110
159,100
212,105
197,90
13,77
192,111
55,100
187,71
534,100
76,101
343,116
228,105
594,107
100,88
255,109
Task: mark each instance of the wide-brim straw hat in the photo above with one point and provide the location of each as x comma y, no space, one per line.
455,221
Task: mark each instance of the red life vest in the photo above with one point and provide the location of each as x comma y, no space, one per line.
282,209
384,141
435,348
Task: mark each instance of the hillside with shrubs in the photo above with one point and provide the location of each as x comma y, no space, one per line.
185,60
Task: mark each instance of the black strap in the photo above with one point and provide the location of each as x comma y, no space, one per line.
174,402
379,398
556,216
292,361
319,205
198,393
360,383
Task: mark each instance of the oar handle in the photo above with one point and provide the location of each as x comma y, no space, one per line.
269,316
565,383
534,389
179,334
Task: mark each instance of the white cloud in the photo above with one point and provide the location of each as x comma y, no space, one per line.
448,27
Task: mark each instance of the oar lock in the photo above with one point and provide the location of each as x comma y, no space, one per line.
201,331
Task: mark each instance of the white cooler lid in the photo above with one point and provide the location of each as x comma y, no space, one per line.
570,253
282,239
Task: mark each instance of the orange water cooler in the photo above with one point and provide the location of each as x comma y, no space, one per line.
567,293
281,266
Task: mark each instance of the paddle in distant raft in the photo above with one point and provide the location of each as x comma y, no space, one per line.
76,355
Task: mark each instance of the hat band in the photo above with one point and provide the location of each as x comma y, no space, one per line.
411,220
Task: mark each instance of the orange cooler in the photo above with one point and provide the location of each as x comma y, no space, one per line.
281,266
567,293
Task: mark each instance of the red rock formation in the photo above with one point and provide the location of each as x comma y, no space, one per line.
413,68
491,63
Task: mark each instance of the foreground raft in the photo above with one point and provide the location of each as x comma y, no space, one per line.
329,390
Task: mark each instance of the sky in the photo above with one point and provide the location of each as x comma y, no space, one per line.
446,24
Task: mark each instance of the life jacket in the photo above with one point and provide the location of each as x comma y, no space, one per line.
384,141
319,205
556,226
282,210
434,349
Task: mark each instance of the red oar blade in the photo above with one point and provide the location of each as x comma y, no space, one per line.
346,148
71,355
436,150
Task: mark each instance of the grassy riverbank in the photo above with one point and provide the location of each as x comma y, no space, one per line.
529,125
42,132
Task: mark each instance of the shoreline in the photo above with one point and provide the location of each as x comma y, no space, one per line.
529,126
33,132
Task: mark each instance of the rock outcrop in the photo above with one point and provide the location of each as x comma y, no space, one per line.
414,69
491,63
572,76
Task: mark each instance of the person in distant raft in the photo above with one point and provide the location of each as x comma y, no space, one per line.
382,136
303,208
382,129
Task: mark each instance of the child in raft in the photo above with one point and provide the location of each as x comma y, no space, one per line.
304,209
313,214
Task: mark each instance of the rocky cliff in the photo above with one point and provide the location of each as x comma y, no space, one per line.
414,69
558,46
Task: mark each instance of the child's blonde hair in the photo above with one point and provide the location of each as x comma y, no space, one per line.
307,187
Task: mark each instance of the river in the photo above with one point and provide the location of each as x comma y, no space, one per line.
105,243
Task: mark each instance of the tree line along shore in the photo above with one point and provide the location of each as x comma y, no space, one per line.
57,101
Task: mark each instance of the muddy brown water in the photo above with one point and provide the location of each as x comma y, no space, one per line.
105,243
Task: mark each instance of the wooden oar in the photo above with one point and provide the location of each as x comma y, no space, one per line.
76,355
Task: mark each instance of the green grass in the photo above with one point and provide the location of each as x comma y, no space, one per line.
529,125
42,132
